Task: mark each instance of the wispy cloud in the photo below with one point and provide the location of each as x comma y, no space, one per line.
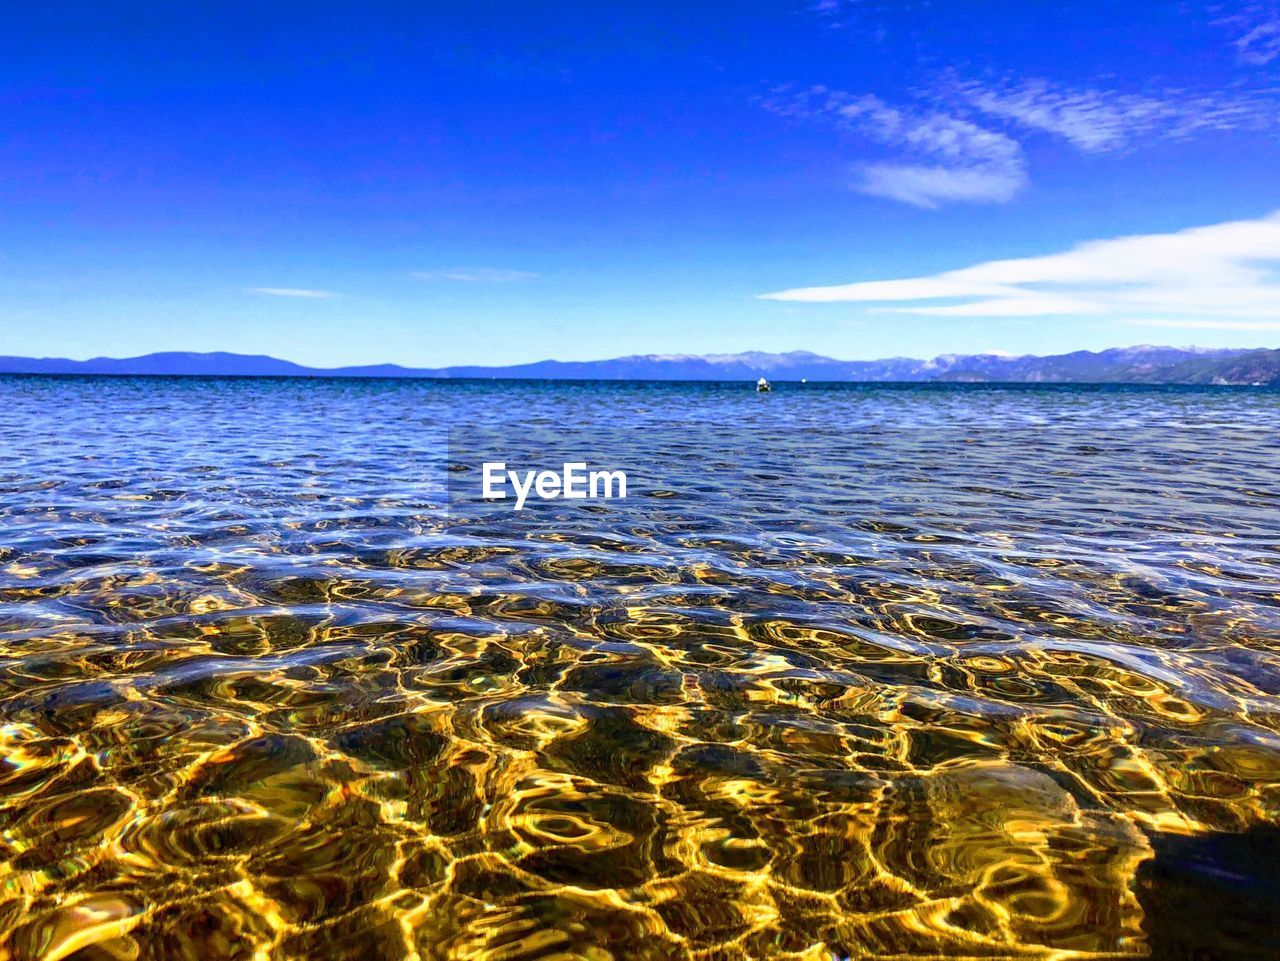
1097,120
866,16
1254,29
1260,45
945,158
1224,274
291,292
961,139
837,14
478,275
1091,120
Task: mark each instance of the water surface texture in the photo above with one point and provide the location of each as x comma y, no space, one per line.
852,672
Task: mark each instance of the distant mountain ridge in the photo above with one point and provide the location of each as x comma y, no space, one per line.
1143,364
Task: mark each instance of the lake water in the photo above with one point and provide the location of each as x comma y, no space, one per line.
853,671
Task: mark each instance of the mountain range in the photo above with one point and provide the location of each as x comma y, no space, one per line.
1129,365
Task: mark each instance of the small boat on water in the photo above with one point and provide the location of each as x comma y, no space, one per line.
762,386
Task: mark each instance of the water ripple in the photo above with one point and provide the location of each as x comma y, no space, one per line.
855,672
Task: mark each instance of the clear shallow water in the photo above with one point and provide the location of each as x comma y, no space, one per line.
888,672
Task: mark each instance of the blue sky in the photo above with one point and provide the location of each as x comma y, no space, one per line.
492,183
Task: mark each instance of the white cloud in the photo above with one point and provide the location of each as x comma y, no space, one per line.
927,186
957,141
1091,120
947,158
1203,276
479,275
1260,45
291,292
1101,121
960,140
837,13
1255,31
